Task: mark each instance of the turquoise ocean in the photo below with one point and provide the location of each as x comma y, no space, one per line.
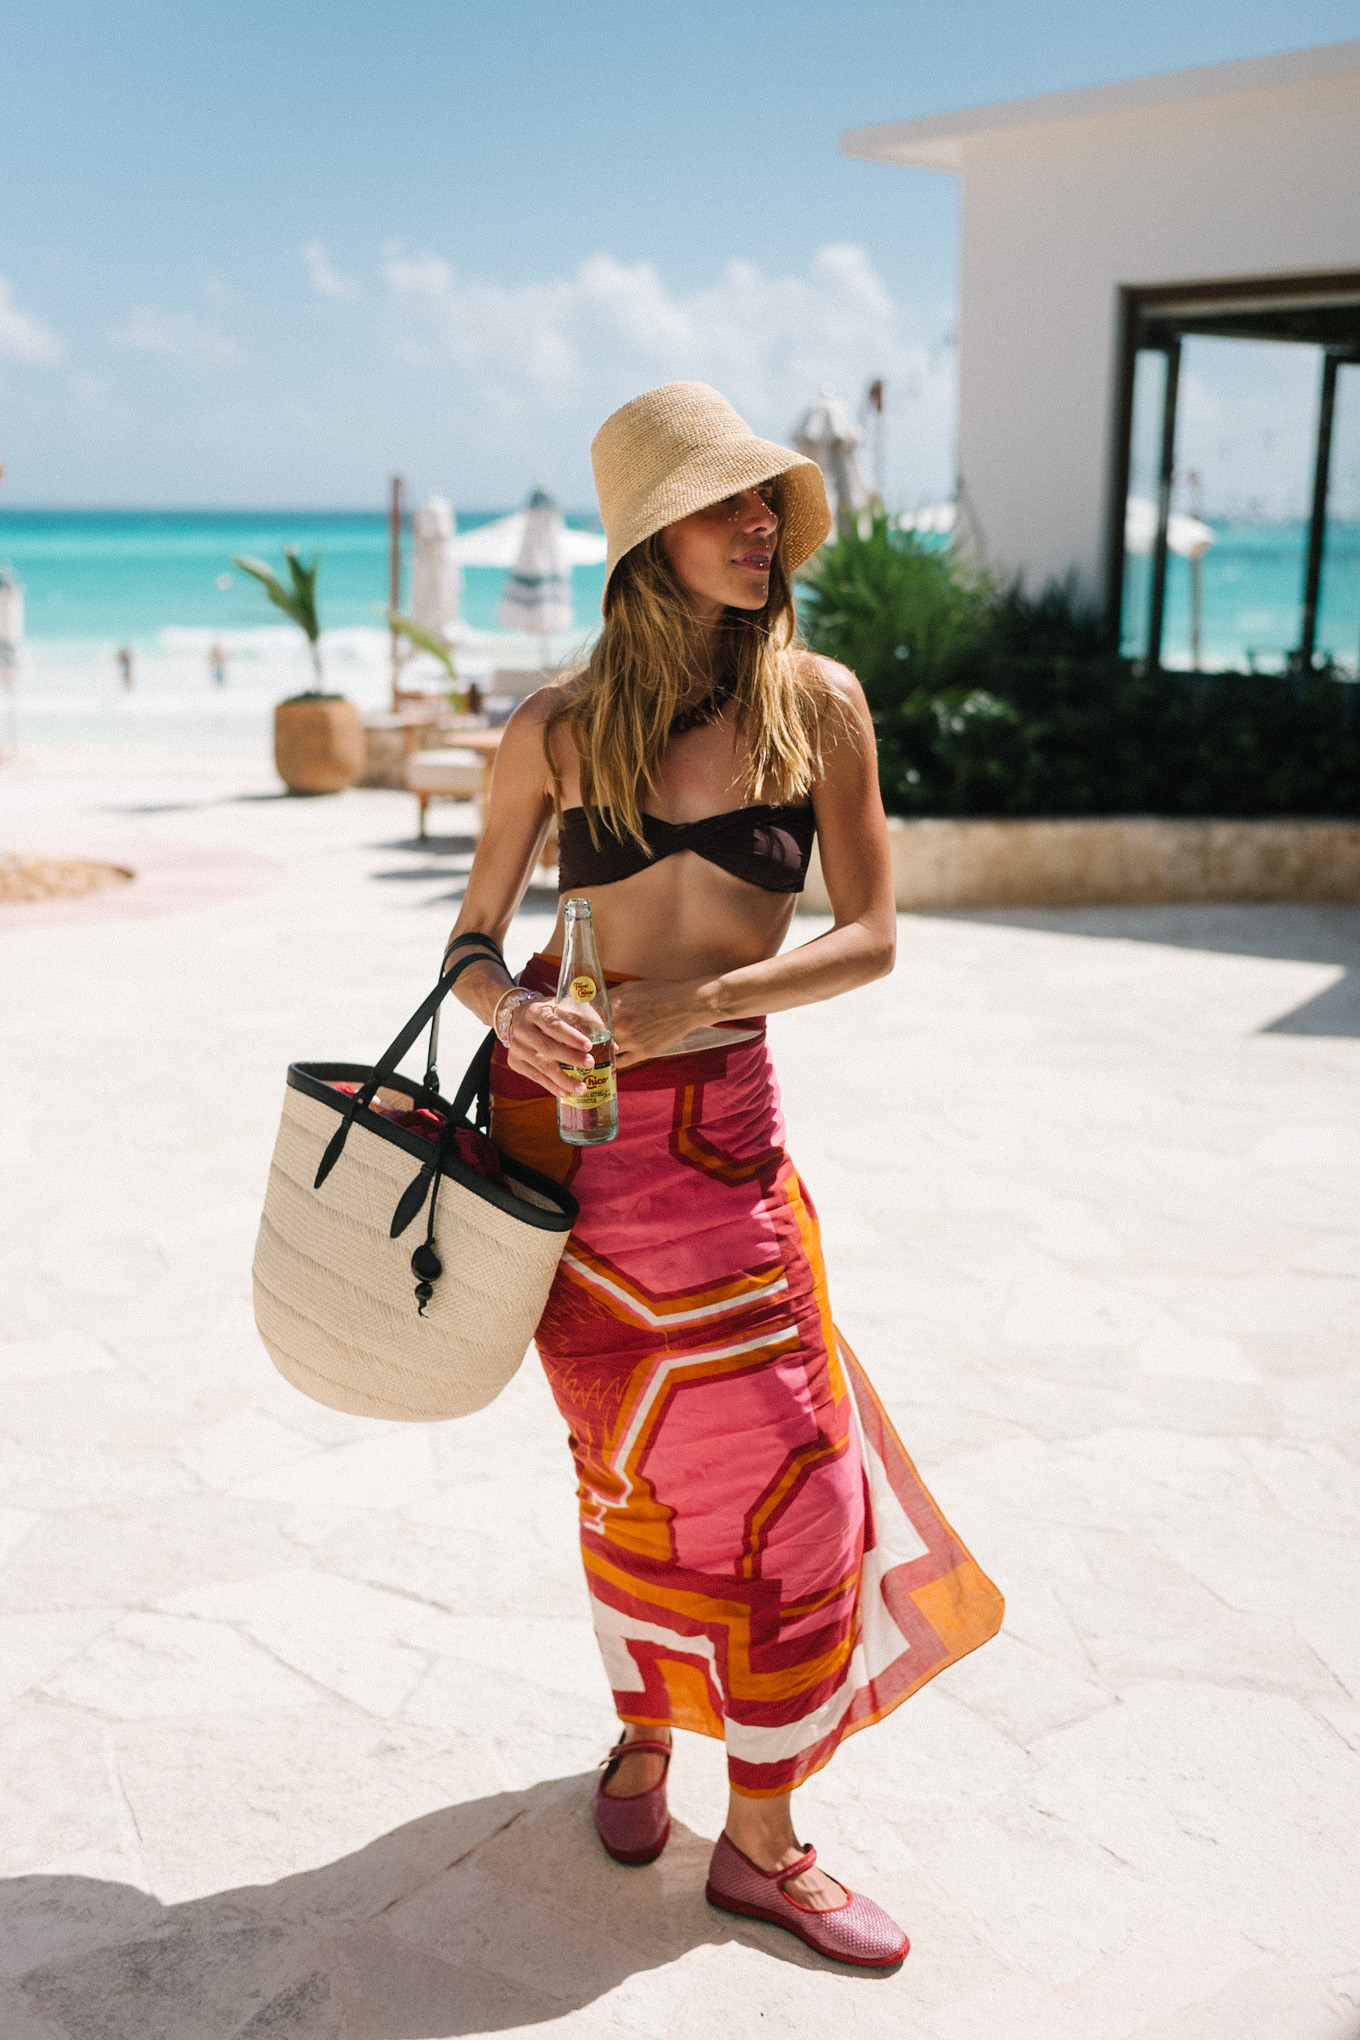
1251,597
101,577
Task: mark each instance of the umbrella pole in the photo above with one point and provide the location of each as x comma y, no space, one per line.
394,578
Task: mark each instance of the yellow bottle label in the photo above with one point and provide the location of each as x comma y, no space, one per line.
599,1083
583,988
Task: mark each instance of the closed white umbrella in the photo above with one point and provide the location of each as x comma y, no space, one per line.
829,435
437,579
538,595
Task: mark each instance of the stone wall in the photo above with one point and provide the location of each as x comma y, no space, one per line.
1133,861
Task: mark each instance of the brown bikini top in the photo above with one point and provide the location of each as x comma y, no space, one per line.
767,846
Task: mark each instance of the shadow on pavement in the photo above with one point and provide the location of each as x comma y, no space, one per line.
194,807
416,871
499,1913
435,846
155,807
1287,934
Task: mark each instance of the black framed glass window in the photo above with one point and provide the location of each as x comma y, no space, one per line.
1235,496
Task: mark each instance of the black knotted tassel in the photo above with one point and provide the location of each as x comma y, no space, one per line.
425,1261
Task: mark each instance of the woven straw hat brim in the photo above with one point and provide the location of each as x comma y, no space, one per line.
681,447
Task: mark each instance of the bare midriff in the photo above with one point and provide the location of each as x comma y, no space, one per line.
682,918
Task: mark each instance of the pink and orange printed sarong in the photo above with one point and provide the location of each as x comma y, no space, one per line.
764,1562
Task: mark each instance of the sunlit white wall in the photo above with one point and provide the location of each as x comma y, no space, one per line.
1058,213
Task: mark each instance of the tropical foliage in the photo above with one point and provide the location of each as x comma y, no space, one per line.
425,640
296,598
989,702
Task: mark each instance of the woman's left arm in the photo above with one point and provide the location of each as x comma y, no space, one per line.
852,836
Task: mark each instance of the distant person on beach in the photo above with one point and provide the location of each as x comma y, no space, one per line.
217,665
125,665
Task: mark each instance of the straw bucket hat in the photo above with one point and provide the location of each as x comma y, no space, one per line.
676,449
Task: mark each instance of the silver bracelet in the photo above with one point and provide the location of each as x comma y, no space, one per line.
514,997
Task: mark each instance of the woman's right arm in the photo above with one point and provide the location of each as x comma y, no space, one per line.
517,817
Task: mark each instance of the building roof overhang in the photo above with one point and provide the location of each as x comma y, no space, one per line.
938,141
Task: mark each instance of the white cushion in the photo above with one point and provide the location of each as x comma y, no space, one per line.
454,772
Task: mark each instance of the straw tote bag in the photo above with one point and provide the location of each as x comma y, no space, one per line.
350,1314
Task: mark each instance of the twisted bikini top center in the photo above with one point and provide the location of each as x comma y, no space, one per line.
767,846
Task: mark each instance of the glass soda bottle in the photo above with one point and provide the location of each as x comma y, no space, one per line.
583,999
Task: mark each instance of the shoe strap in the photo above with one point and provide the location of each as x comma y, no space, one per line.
805,1862
628,1749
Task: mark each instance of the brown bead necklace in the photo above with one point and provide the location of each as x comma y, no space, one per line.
709,710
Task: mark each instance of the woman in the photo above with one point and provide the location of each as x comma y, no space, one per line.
764,1564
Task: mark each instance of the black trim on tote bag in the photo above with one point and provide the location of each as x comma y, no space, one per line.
553,1208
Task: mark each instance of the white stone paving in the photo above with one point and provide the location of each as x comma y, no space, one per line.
300,1712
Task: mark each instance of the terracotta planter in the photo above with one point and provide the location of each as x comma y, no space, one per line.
318,745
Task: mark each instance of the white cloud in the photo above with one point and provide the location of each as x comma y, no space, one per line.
24,338
595,338
325,280
178,336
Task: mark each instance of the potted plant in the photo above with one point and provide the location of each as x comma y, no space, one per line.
318,736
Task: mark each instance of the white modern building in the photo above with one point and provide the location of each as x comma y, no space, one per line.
1100,229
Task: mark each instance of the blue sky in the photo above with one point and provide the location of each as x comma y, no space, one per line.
265,255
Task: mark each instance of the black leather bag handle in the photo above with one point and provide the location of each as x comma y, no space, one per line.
386,1065
493,949
476,1087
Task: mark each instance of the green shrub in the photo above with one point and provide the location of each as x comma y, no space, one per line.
899,616
989,702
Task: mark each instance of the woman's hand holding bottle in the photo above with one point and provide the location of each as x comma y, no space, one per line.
541,1041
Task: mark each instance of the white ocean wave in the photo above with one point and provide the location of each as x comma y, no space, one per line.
73,690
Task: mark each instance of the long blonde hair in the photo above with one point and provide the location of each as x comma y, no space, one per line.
644,669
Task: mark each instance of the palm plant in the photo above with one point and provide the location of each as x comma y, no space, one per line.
416,634
900,615
297,602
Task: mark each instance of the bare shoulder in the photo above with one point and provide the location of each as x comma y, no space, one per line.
836,680
529,747
845,729
525,729
531,714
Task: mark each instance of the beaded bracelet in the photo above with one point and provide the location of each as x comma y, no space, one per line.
517,997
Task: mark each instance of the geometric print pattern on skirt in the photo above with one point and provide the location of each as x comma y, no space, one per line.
764,1562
